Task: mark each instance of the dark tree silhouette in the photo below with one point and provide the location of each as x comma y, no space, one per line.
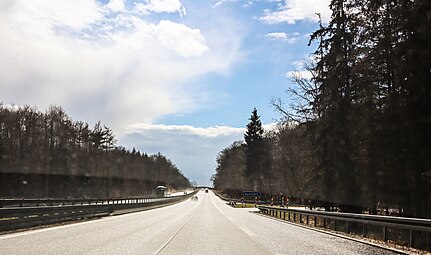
49,155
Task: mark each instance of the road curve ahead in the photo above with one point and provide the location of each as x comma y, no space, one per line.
208,226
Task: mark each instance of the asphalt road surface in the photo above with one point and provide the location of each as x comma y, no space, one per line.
207,226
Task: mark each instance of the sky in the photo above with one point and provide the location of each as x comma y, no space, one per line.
170,76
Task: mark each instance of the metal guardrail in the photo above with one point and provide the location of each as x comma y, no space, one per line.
410,224
24,213
238,201
66,201
16,218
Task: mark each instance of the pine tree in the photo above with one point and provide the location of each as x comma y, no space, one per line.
254,153
336,57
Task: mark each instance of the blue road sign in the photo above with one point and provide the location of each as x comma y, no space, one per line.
251,194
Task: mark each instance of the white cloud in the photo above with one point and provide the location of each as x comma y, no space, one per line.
269,127
120,68
187,129
292,11
281,36
193,149
74,14
305,74
277,36
221,2
157,6
185,41
248,4
116,5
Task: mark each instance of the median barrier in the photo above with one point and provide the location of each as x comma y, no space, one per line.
25,213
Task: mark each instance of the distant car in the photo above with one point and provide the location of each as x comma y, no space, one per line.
206,190
194,198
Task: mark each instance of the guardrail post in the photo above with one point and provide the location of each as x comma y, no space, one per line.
307,219
294,217
335,225
288,216
428,243
315,220
411,238
385,234
324,222
364,233
284,215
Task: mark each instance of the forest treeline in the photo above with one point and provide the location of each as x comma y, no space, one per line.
52,144
357,134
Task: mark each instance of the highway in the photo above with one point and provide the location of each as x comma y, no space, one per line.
207,226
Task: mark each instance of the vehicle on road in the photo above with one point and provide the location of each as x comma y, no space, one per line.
206,190
161,191
194,198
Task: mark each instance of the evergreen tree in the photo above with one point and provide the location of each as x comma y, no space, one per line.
336,58
254,153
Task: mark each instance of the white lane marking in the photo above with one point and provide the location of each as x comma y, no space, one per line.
247,231
172,238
